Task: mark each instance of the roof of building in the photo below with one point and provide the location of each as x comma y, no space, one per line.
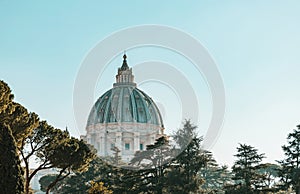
125,103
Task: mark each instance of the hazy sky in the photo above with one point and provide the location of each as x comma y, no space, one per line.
255,44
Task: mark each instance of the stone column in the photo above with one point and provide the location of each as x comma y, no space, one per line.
136,141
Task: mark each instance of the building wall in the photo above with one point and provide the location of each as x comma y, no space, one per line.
127,137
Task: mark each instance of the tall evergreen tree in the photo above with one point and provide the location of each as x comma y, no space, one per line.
290,172
184,136
245,169
190,159
11,181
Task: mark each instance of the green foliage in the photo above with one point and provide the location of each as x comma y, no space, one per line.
247,178
70,153
215,177
11,181
269,175
21,122
151,165
191,158
55,149
46,180
17,119
79,182
13,114
30,138
154,153
98,188
6,98
154,170
184,136
290,172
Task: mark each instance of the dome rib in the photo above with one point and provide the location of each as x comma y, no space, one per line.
107,106
154,108
133,106
145,107
121,102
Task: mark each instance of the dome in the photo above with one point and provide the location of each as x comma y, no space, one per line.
125,103
124,117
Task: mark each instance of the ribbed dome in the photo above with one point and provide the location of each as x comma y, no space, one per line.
124,117
125,103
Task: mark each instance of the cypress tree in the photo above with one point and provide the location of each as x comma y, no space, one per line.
12,180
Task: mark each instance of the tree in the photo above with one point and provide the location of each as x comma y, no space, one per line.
71,155
51,147
12,181
190,159
185,135
21,122
79,182
16,120
14,115
215,177
152,165
269,175
245,169
54,148
290,171
38,145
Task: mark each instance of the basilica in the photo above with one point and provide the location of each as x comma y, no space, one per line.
123,118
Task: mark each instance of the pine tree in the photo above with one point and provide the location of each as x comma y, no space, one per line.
190,159
53,148
12,181
245,168
290,172
14,115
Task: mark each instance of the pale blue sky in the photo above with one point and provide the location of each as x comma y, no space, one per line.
255,44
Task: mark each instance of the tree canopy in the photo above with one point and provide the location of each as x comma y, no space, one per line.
172,164
245,169
24,136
